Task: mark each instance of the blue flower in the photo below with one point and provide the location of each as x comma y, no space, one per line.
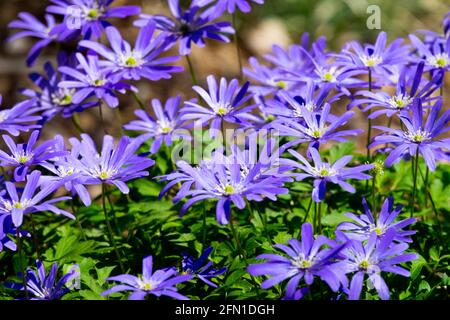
114,165
190,25
42,286
323,172
165,128
18,118
133,63
89,16
306,259
199,268
31,200
159,283
373,258
366,223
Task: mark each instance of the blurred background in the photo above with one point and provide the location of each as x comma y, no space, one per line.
277,22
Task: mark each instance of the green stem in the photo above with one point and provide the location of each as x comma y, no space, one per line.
425,181
138,100
415,174
22,268
191,70
100,111
35,240
74,212
306,216
369,126
204,229
108,224
315,216
319,216
237,241
76,122
238,51
374,205
119,120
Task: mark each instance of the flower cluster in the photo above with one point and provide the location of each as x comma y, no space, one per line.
372,247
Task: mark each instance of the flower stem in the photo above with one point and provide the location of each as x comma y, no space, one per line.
415,163
369,126
191,70
35,240
425,181
119,120
237,241
319,216
138,100
306,217
374,205
111,235
76,122
100,111
204,229
238,51
22,268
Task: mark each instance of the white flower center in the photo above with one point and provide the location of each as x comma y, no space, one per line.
400,101
310,106
324,171
228,189
302,263
63,97
94,12
10,205
440,60
328,75
165,126
417,136
315,132
146,285
371,61
132,59
22,157
222,110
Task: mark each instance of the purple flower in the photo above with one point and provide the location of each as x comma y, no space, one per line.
30,201
316,127
7,229
142,61
67,169
159,283
229,180
366,223
373,258
42,286
323,172
224,103
89,16
242,5
269,79
417,137
93,81
51,99
24,155
31,27
436,56
17,118
286,105
114,165
165,128
199,268
374,56
403,98
190,25
306,259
